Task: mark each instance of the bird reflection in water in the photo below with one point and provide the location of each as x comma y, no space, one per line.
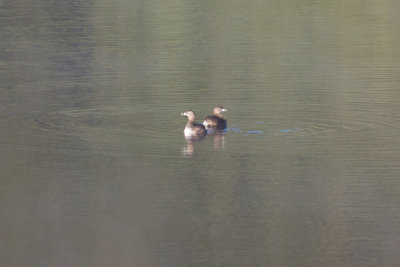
188,149
218,137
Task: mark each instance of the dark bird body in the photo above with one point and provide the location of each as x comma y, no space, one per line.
216,121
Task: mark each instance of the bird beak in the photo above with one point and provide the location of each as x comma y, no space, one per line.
224,109
183,114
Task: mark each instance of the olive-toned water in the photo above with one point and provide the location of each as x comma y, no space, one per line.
94,167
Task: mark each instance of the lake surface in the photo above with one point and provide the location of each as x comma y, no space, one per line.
94,167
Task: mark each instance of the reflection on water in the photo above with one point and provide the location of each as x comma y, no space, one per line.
218,141
307,174
188,149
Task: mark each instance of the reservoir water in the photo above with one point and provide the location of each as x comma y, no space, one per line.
94,167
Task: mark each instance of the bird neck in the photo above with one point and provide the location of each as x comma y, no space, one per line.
219,115
189,123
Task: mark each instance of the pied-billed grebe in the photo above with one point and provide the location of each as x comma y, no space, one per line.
216,121
193,129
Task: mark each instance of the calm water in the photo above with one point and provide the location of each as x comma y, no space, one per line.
94,167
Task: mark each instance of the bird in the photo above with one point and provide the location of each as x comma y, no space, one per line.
192,129
216,121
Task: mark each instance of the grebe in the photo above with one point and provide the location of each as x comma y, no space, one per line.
193,129
216,121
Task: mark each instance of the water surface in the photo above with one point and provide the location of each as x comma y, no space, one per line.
95,170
